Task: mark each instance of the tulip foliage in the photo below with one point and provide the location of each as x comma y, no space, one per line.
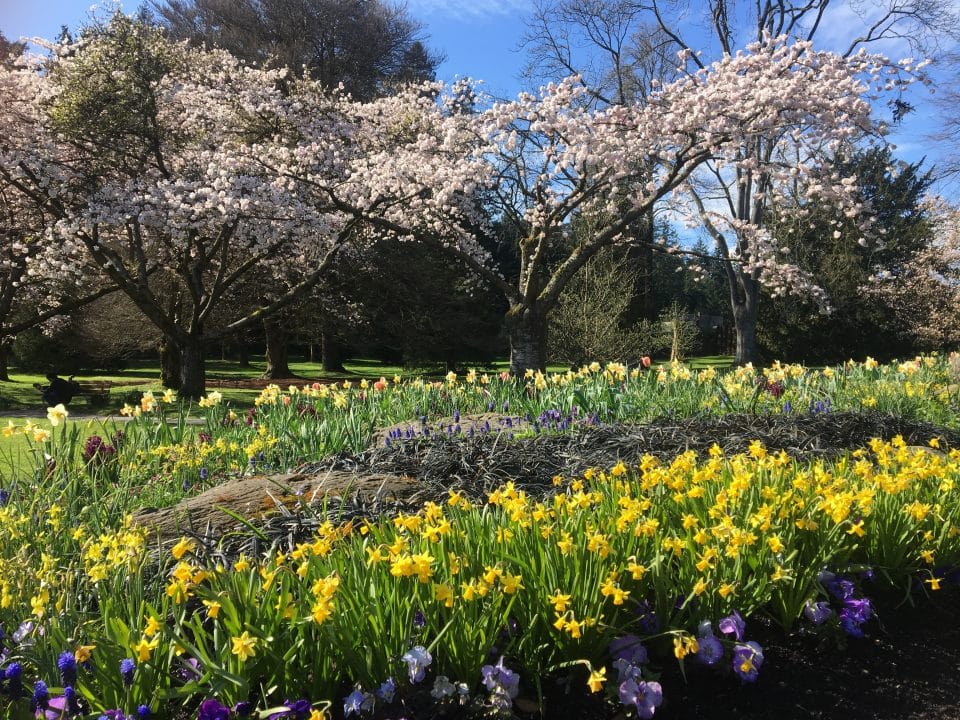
176,173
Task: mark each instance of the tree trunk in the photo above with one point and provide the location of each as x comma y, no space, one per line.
527,329
169,364
243,356
277,359
193,376
745,321
639,256
5,344
333,353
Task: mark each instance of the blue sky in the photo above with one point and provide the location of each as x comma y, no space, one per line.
481,39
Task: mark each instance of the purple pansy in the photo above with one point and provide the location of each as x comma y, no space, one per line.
644,696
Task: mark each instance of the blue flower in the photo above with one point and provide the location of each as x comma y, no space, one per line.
127,666
629,648
501,676
840,588
13,675
418,659
352,703
213,709
67,665
41,696
733,624
817,613
73,705
387,690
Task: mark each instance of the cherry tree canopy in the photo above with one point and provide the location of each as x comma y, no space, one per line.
555,156
170,171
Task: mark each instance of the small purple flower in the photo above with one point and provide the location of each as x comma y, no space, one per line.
840,588
387,690
626,670
14,677
41,696
733,624
65,705
296,709
747,660
213,709
709,650
629,648
861,609
4,497
418,659
67,665
25,628
817,613
70,700
502,677
649,622
854,614
243,709
127,666
419,620
644,696
353,703
143,712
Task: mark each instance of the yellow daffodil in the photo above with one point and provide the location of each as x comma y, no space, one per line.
244,646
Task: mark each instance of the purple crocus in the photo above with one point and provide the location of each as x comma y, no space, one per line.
734,625
840,588
500,676
854,613
387,690
418,659
296,709
817,612
243,709
213,709
644,696
747,659
353,703
629,648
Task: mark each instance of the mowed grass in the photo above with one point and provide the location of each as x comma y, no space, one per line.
19,451
19,395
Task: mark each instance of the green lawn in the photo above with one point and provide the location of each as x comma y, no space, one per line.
19,395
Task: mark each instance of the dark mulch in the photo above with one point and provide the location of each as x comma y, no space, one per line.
906,667
485,461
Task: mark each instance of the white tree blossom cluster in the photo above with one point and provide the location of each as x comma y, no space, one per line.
147,160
